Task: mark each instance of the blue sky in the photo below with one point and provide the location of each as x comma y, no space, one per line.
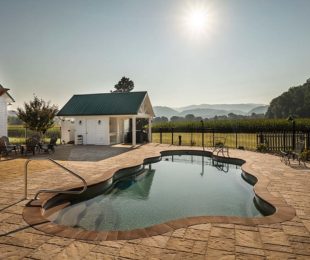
251,51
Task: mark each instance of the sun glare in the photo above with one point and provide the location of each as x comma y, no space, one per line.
197,19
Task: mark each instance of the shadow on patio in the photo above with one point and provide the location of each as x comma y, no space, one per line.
91,153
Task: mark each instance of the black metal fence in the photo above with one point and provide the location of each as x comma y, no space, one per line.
19,134
271,140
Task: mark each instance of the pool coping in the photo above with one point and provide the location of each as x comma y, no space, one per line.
34,212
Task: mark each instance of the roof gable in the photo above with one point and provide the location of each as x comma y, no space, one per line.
103,104
146,107
4,92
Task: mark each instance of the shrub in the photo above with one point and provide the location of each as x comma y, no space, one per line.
305,155
262,148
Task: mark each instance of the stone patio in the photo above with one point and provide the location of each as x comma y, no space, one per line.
286,240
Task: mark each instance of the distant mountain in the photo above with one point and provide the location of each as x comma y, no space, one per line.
245,108
165,111
205,112
259,110
208,111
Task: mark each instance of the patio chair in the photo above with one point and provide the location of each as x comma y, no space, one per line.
220,147
286,156
31,145
6,149
300,146
49,147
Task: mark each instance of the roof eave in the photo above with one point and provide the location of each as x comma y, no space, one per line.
12,99
8,94
131,114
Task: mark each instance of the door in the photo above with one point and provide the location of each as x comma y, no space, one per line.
96,131
91,131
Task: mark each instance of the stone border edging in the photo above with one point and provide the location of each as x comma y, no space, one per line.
35,214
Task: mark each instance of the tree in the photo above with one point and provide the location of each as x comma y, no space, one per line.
38,115
190,117
176,118
14,120
124,85
162,119
295,101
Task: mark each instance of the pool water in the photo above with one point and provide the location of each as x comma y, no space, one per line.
178,186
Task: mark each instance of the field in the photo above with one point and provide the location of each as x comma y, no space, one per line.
237,125
248,141
275,134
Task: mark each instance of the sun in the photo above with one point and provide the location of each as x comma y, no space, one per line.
196,20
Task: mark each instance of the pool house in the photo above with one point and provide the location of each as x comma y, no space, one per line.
107,118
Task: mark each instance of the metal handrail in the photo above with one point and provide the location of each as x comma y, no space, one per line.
53,191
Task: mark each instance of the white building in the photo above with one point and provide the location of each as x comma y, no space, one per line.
106,118
5,99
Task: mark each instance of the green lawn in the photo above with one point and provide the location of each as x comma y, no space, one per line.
248,141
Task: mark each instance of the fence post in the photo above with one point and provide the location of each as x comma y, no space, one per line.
172,129
213,144
161,135
294,135
257,142
192,136
308,140
202,135
284,140
236,139
261,138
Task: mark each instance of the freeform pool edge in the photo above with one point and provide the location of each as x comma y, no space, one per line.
35,212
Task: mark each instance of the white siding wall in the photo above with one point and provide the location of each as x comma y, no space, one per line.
67,131
91,130
3,117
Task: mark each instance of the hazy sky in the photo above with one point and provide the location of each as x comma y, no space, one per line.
248,51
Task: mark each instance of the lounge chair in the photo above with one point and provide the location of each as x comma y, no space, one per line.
5,147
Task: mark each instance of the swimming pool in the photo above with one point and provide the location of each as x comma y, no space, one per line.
176,187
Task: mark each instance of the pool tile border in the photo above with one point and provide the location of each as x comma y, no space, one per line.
35,214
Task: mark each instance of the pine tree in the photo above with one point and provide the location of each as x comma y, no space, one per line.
124,85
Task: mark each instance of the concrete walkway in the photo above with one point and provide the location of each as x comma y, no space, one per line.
286,240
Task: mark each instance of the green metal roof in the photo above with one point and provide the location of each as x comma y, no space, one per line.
103,104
